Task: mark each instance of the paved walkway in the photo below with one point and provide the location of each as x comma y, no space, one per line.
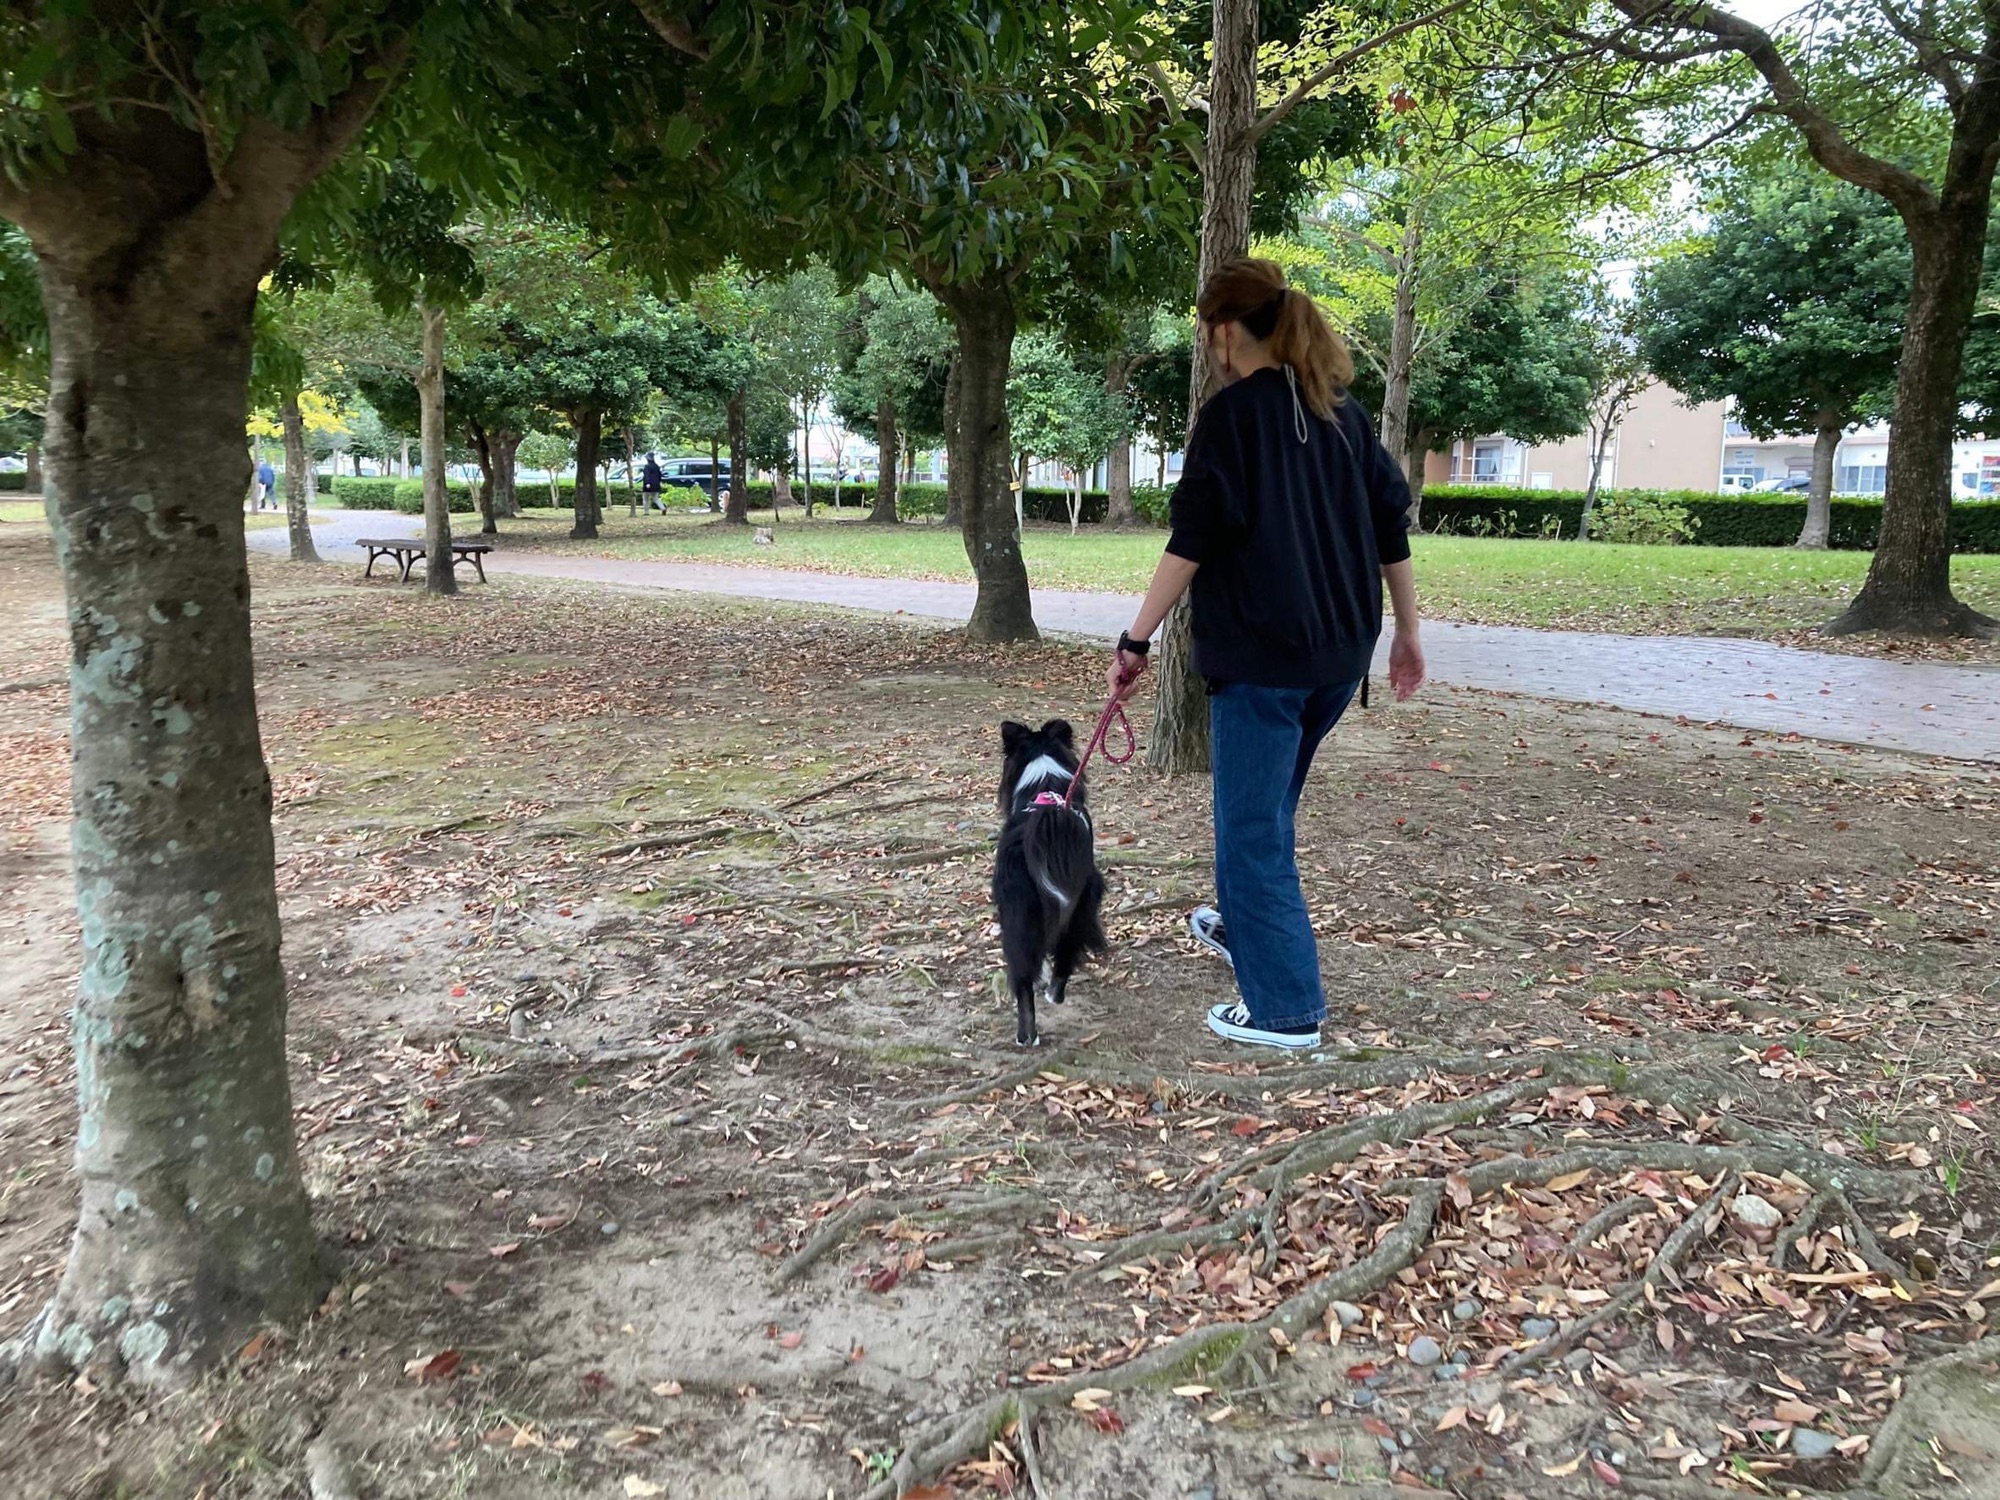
1931,709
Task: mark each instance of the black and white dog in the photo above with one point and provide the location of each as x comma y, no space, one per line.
1045,882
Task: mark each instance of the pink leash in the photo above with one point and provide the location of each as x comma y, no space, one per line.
1113,710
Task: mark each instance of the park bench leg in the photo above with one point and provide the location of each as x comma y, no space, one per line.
479,566
372,555
409,562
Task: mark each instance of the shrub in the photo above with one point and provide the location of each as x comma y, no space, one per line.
409,496
13,479
1643,516
367,494
1151,501
1717,520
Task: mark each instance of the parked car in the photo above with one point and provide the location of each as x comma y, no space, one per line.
693,473
1787,484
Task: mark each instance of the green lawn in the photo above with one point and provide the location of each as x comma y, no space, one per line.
1757,591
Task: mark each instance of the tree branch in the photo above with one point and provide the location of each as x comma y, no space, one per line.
1827,142
675,31
1308,86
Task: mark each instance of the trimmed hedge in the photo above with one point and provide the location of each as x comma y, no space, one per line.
13,479
1719,520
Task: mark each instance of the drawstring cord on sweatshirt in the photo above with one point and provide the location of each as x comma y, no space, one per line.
1298,406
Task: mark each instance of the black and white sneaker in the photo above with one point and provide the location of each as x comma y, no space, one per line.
1232,1021
1206,924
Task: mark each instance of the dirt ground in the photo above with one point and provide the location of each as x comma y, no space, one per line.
667,1138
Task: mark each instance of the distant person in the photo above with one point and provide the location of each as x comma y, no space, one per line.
267,480
650,480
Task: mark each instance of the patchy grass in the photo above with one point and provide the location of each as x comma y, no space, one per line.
1765,592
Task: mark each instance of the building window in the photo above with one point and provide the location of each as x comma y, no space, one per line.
1862,479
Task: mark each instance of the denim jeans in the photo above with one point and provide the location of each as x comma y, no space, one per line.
1262,740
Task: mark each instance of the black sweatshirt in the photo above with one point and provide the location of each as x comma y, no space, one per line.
1291,536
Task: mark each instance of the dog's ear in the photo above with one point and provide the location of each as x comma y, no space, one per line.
1011,735
1059,731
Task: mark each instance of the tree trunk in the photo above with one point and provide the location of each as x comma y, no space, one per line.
1118,511
31,476
439,577
403,463
954,497
506,499
1180,715
1160,459
298,519
1815,534
589,427
715,474
1403,348
806,457
1908,588
1600,440
781,491
483,446
983,314
884,511
193,1226
737,416
1413,471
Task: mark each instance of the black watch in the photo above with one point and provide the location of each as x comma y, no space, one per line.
1131,647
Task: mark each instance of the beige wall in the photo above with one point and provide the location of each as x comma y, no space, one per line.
1662,445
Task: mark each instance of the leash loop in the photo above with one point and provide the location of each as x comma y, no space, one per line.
1114,710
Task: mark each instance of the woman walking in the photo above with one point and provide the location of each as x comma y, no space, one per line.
1288,521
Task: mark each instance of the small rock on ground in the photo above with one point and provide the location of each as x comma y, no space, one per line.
1810,1442
1425,1350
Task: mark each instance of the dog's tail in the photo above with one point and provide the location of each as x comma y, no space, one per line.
1056,845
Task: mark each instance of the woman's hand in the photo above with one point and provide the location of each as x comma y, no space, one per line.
1123,677
1406,663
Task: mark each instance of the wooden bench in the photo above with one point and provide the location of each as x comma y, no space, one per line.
408,551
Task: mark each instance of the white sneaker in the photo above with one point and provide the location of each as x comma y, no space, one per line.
1205,922
1232,1021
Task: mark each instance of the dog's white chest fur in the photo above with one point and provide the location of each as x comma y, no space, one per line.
1040,771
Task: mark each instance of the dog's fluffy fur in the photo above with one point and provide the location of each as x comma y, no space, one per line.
1045,882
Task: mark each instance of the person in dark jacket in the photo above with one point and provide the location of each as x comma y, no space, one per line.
649,483
267,479
1289,519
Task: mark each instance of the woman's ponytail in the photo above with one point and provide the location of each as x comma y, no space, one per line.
1253,293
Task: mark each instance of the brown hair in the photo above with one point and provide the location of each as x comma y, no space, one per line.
1253,293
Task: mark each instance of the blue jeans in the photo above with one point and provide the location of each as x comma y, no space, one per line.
1263,740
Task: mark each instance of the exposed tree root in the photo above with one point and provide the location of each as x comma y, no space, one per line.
1339,1144
1815,1167
1605,1220
1030,1459
929,1208
942,1447
1799,1228
1896,1437
1679,1245
830,788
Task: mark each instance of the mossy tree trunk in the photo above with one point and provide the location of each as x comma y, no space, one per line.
981,453
884,511
193,1227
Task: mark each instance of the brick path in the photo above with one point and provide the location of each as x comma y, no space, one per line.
1933,709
